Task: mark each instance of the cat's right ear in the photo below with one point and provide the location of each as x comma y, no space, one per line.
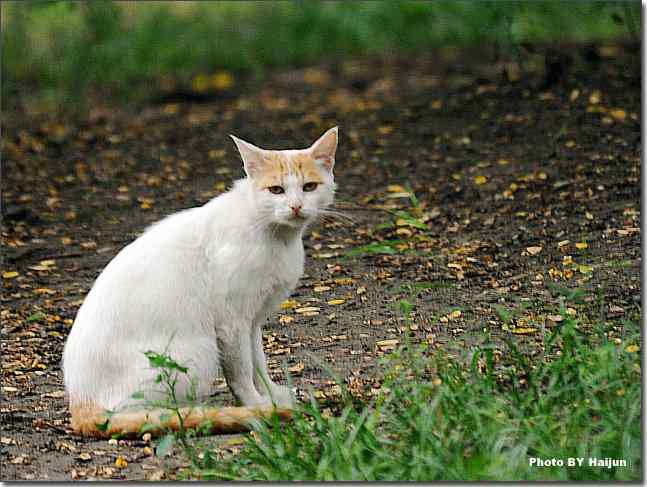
251,155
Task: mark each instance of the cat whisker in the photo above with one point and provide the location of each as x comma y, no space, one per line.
264,221
335,214
329,220
346,205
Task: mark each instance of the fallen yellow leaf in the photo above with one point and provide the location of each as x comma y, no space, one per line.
9,274
200,83
285,319
313,76
581,245
585,269
297,368
334,302
217,154
632,348
523,330
344,281
618,114
307,309
404,231
39,267
325,255
395,188
221,81
289,304
387,343
480,180
594,97
321,289
44,290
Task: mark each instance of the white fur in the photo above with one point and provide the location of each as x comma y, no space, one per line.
200,284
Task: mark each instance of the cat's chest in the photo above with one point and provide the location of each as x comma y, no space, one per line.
262,266
284,266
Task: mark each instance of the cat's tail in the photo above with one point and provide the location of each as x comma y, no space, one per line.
92,420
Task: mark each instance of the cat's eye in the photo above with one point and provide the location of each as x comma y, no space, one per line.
310,186
276,189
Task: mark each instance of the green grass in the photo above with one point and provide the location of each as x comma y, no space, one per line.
478,414
384,247
62,48
477,417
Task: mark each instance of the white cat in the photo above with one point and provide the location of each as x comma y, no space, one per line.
201,284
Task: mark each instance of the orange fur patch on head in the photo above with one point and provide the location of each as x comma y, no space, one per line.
278,165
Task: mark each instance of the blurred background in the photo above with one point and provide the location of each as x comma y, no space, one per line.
56,53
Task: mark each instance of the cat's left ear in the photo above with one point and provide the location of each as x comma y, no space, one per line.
323,150
252,156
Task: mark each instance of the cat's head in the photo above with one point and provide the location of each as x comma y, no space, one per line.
291,187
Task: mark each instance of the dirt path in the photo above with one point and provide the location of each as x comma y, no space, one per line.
512,195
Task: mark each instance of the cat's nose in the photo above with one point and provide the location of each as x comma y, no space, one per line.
295,209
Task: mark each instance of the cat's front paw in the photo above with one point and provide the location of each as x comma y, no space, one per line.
281,396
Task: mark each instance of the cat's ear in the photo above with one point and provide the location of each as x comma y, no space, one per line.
252,156
323,150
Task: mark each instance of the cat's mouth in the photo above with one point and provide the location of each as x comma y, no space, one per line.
295,220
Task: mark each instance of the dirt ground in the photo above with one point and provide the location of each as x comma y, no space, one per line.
516,187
